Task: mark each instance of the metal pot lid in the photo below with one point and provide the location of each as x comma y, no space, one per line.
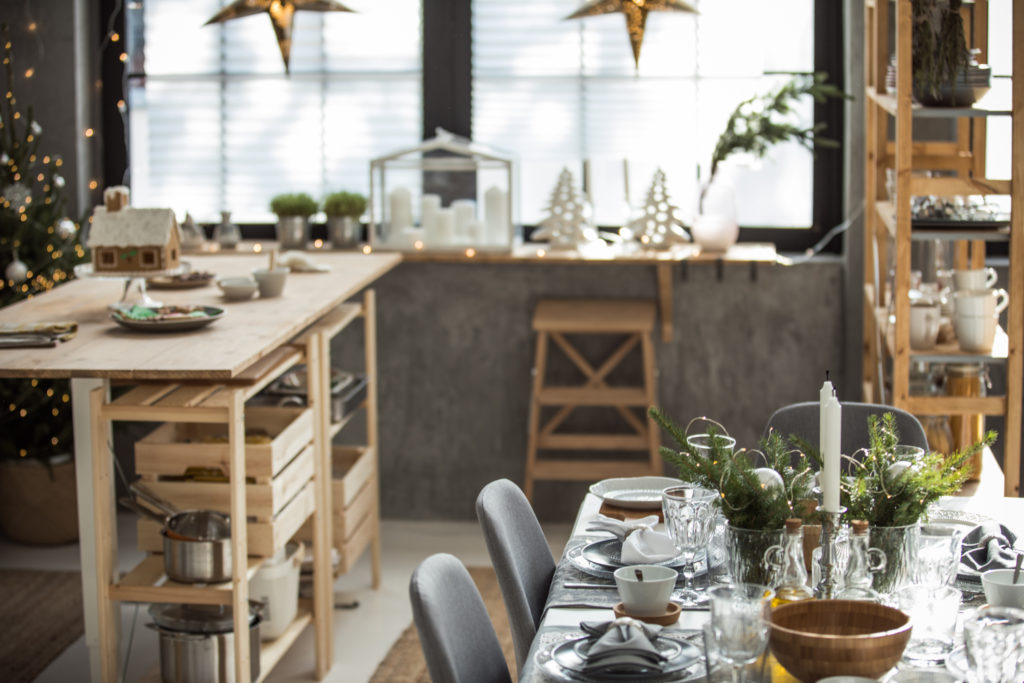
205,619
201,525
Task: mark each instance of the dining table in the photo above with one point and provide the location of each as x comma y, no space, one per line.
576,596
244,336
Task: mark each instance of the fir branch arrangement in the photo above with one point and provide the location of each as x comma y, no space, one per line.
765,120
343,203
939,51
887,492
294,204
746,502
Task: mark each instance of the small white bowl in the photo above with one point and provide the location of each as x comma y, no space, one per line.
237,288
1000,589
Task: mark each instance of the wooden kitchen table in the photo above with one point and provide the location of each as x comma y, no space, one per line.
224,352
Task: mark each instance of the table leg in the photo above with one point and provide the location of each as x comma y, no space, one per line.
665,300
97,613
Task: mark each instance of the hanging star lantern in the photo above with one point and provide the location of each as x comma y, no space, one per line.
281,12
636,12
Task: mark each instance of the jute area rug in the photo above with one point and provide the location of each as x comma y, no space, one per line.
404,662
40,615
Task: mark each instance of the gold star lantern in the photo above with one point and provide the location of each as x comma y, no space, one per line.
636,12
281,14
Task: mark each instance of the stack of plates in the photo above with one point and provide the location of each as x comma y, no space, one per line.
972,84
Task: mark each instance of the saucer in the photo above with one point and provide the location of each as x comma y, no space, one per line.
668,617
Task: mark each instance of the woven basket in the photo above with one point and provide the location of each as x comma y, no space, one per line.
38,504
814,639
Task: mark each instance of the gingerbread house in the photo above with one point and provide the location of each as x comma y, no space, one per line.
125,239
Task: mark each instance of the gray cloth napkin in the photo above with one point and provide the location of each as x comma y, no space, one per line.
622,644
987,546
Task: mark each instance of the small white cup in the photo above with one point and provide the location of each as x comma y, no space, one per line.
647,598
975,333
980,301
925,320
974,278
270,282
1000,590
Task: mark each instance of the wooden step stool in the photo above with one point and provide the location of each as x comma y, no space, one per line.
555,319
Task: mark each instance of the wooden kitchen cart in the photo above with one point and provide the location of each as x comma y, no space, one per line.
888,230
204,376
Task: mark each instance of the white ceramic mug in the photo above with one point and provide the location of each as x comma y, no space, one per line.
974,278
980,302
925,319
270,282
649,597
975,333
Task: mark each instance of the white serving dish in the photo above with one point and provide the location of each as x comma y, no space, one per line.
637,493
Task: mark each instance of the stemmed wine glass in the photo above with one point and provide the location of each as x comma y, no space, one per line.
739,623
690,519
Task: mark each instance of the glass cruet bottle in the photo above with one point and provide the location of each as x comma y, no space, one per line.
227,234
788,558
864,561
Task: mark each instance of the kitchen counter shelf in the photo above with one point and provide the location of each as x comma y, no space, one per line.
944,353
887,215
996,102
147,582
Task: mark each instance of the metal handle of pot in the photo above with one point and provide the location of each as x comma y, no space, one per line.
156,501
133,504
180,635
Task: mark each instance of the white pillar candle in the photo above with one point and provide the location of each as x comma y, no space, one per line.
475,232
496,215
429,205
464,211
444,229
401,210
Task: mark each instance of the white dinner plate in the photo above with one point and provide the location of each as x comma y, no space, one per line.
637,493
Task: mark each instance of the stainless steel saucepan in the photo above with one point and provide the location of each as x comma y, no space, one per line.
197,543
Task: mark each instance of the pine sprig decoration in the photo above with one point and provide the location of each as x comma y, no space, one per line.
885,492
746,502
762,121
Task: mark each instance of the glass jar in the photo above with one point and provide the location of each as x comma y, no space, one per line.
967,380
862,563
788,559
226,233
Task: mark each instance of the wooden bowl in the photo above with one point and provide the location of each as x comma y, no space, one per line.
814,639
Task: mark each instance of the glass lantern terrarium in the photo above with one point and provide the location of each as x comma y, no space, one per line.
446,194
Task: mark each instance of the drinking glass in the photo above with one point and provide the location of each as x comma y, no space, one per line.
690,519
739,624
994,639
938,555
932,611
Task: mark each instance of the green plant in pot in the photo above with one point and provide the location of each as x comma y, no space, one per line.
939,54
893,494
758,489
343,210
293,211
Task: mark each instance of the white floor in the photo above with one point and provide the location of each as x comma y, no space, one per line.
362,636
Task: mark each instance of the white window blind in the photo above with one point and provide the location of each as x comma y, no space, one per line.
559,92
215,123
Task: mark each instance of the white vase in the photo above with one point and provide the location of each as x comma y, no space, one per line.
715,227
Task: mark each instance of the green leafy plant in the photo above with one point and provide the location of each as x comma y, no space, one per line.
939,51
762,121
343,203
885,491
745,501
294,204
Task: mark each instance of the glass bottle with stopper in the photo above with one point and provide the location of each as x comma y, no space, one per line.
226,233
789,559
863,562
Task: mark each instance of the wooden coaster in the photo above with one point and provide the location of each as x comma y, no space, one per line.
670,616
625,514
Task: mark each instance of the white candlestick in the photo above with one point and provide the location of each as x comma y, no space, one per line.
832,421
496,215
401,210
465,213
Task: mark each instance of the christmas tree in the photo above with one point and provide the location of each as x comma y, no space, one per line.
567,224
39,246
659,225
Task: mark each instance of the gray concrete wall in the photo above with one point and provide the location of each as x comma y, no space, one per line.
456,351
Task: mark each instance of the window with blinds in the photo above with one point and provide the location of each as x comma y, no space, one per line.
561,93
215,123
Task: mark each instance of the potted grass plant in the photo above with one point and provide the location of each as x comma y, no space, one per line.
293,211
343,210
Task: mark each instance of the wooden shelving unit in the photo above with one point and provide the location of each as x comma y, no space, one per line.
888,229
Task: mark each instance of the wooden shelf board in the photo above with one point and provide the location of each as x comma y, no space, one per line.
955,405
332,323
996,102
336,427
271,651
267,369
147,582
944,353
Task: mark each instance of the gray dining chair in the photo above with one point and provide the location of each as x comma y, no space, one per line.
801,419
521,557
456,634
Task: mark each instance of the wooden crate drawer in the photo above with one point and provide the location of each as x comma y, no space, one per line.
352,467
175,446
345,520
353,547
264,537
